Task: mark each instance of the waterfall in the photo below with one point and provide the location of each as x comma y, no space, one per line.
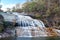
26,24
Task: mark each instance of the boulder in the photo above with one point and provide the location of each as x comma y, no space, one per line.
1,23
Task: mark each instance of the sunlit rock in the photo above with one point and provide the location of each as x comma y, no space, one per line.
9,18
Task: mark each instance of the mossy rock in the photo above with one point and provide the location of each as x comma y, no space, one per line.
1,23
1,28
8,24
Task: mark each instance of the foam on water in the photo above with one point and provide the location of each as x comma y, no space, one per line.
27,23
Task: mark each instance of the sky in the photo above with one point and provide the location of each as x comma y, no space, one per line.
10,3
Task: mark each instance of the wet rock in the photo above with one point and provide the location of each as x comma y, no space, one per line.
5,34
30,32
1,23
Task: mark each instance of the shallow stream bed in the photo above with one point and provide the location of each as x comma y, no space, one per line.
31,38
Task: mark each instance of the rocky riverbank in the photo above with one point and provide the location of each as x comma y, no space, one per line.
3,35
7,33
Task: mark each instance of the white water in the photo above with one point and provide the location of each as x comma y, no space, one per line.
27,23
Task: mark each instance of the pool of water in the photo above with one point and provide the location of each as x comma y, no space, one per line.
27,38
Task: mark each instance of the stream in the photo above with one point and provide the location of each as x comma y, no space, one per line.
26,38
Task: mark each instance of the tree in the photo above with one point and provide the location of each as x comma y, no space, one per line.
33,6
0,8
8,9
0,5
13,9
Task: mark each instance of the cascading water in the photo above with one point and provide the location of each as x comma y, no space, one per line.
28,27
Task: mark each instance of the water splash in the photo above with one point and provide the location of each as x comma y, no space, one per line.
29,26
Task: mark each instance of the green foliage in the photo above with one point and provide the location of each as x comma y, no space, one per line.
33,6
17,10
48,12
57,9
